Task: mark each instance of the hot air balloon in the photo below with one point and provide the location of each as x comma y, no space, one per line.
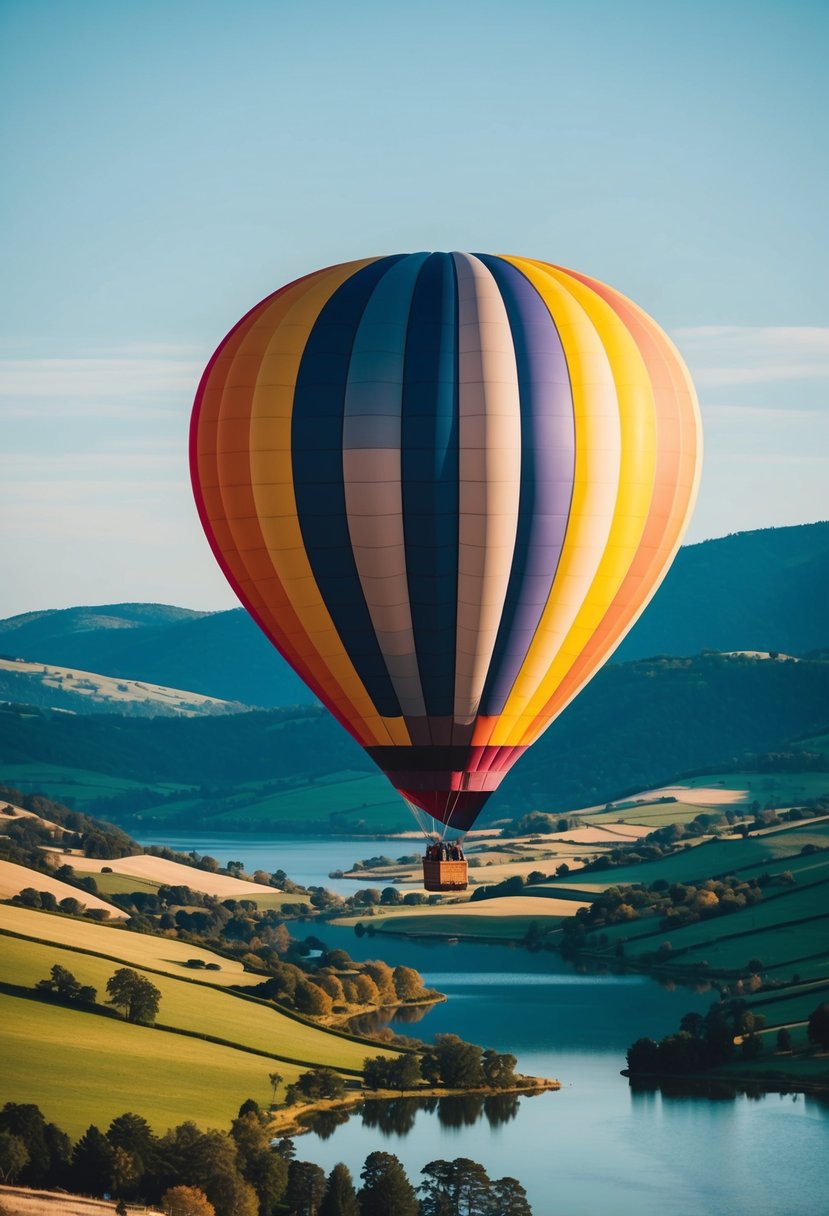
445,485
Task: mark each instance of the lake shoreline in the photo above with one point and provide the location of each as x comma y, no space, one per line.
292,1120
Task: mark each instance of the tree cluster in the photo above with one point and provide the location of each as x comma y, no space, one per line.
674,904
702,1042
191,1172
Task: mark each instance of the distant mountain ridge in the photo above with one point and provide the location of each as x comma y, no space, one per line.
637,726
763,590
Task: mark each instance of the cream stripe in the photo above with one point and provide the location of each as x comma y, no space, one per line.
595,490
490,474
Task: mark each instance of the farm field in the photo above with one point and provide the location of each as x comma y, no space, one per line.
15,878
60,781
193,1006
91,1069
704,860
133,949
508,917
158,870
340,800
785,789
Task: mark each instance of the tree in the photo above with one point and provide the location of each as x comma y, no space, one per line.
818,1029
264,1169
48,1147
340,1198
66,987
306,1188
186,1201
455,1188
92,1161
13,1156
275,1079
134,994
408,983
383,977
460,1063
386,1188
499,1069
784,1039
508,1198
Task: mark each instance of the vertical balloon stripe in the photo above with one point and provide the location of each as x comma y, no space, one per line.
372,475
317,441
224,497
677,461
638,463
595,490
490,478
547,473
430,483
302,618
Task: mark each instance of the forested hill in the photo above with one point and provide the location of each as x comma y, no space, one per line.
638,725
763,590
198,651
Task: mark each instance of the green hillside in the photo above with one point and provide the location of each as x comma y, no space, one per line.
167,1073
763,590
637,726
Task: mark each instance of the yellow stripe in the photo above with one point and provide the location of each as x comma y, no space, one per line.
273,490
625,489
637,416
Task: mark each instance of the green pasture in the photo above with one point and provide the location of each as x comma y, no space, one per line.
706,860
448,924
776,945
815,743
132,949
651,815
795,1007
116,884
785,789
342,801
60,781
194,1007
81,1068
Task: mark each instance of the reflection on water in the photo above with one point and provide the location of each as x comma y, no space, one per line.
394,1117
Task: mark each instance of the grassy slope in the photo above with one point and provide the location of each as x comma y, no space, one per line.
193,1006
701,861
133,949
80,1069
90,1067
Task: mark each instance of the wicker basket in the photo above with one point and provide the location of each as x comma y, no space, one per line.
445,875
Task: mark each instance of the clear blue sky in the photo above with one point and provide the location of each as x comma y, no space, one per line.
167,164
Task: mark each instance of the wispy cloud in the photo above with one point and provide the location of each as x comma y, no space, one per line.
770,414
737,354
88,384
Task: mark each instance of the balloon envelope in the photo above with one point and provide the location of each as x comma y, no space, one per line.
445,485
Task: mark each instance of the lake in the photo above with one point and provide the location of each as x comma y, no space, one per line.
595,1146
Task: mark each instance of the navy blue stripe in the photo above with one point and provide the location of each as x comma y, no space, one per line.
317,451
430,477
547,474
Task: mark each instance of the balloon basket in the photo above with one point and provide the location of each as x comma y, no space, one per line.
445,875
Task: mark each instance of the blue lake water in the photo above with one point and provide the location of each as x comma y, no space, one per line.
595,1146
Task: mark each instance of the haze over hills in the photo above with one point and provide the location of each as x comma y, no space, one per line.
764,590
638,725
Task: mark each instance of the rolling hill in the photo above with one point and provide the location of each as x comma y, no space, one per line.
763,590
638,725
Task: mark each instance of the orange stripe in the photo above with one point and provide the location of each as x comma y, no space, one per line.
224,468
677,450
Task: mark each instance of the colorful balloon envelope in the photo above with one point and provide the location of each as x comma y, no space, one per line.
445,485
